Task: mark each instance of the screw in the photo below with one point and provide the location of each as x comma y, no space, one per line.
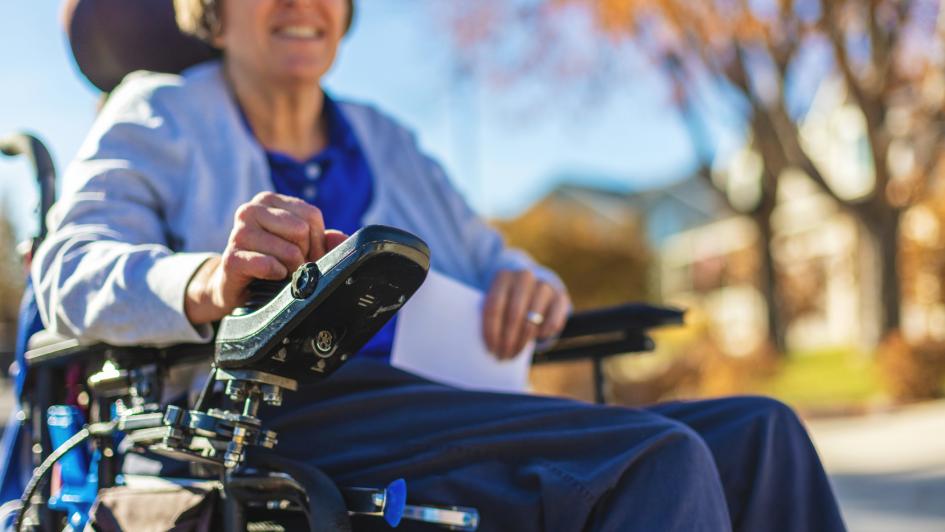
277,505
272,395
378,499
235,391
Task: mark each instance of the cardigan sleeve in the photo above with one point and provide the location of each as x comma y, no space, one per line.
106,271
484,247
414,192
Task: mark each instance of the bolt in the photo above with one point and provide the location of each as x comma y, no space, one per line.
269,438
235,390
272,395
277,505
234,453
378,499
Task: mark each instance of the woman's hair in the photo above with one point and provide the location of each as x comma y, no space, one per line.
201,18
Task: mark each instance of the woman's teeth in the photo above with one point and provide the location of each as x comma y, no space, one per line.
299,32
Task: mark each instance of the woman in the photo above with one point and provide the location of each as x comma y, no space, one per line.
191,186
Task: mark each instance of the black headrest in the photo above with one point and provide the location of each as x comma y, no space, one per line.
111,38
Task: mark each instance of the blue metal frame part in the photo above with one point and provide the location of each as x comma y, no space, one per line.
78,469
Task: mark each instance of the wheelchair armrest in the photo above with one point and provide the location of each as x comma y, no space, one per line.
47,350
609,331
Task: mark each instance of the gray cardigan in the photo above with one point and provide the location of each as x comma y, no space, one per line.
153,192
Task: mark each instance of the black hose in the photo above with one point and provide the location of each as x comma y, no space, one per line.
327,511
206,390
41,472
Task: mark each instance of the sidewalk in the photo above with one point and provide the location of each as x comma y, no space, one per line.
888,469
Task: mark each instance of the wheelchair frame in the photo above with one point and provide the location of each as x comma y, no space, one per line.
594,335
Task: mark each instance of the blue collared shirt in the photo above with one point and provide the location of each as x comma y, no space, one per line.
339,182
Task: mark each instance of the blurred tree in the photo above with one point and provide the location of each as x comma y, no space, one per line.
12,281
12,272
601,263
751,62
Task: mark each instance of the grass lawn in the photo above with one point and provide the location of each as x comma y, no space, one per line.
825,379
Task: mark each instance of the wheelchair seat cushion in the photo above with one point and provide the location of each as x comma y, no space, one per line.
158,505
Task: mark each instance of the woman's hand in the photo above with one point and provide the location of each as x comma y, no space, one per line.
520,308
272,236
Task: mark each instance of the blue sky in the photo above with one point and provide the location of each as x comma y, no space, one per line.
398,57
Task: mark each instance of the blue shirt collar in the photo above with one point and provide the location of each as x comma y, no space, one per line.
340,133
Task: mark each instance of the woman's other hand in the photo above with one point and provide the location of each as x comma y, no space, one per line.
520,308
272,236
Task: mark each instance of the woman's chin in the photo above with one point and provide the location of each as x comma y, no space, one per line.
297,77
299,72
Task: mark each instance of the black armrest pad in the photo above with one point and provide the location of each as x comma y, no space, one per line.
631,316
609,331
46,349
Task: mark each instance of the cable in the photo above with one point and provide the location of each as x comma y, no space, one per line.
207,388
39,475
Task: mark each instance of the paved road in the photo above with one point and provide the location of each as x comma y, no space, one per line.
888,469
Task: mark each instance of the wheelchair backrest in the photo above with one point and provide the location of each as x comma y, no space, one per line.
111,38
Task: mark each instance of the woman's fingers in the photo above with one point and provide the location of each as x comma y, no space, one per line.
248,265
535,315
494,310
556,316
307,213
333,237
281,223
520,295
515,325
538,310
272,235
520,308
289,220
264,242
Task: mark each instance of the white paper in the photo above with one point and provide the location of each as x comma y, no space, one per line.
439,337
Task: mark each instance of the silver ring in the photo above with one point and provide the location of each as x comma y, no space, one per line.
535,318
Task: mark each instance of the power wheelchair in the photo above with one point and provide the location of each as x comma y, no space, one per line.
81,403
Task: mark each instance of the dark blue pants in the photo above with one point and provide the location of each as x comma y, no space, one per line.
537,463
